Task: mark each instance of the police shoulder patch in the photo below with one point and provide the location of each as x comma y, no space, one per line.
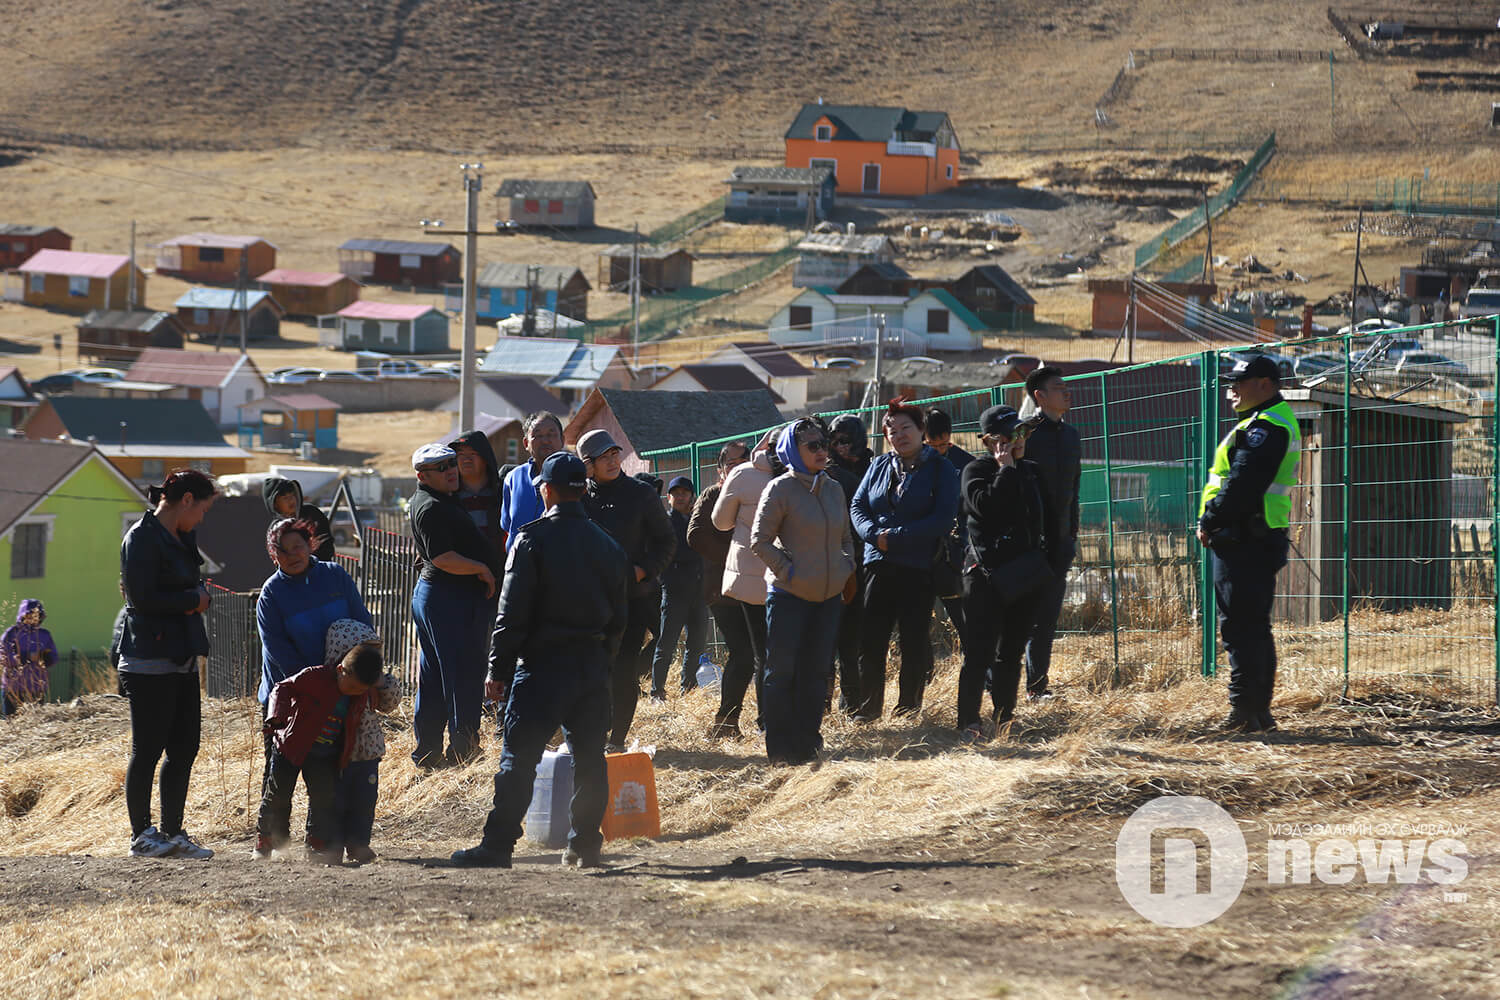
1255,437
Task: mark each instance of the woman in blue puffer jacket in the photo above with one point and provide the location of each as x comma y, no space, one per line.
902,511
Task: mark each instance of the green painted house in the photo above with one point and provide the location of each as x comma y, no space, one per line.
62,515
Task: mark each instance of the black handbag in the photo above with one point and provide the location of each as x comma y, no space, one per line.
1018,578
947,580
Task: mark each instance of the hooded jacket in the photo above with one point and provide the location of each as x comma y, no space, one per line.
632,514
711,544
918,519
311,513
159,571
744,573
485,504
293,614
369,740
801,533
853,428
26,651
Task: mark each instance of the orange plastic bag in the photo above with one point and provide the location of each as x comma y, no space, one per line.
631,810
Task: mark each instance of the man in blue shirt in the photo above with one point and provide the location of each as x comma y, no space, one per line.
520,502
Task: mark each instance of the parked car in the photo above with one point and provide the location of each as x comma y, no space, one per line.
840,363
345,375
1415,365
297,376
1375,324
67,380
1309,365
398,368
1480,302
447,374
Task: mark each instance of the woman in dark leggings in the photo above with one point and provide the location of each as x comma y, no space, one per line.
163,637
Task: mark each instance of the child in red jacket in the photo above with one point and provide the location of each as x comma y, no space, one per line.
313,718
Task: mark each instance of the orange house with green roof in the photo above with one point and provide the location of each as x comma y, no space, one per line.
876,151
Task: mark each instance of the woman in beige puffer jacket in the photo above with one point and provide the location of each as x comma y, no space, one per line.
744,573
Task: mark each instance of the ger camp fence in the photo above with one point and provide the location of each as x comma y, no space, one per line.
1392,574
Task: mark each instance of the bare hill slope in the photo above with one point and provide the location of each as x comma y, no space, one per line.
554,74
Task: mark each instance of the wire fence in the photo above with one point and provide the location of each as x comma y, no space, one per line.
1402,195
1198,217
1393,569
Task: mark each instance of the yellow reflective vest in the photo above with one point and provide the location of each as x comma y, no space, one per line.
1278,497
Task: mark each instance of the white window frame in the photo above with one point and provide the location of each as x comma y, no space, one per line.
1129,486
831,164
390,331
823,133
47,522
879,177
948,169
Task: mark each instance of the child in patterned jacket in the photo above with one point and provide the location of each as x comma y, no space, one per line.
359,785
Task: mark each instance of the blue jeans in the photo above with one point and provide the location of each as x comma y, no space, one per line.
800,636
453,633
571,690
678,612
354,800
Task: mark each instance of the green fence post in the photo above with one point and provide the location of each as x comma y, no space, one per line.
1349,489
1208,425
1109,525
693,458
1495,513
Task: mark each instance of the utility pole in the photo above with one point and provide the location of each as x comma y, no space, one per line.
1359,232
473,179
130,295
635,296
240,293
879,347
528,317
1130,322
1208,255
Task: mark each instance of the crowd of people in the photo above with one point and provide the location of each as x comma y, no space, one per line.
551,589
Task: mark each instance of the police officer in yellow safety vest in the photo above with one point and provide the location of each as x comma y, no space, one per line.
1246,509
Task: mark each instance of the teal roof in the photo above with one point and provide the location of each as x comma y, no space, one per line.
956,307
866,123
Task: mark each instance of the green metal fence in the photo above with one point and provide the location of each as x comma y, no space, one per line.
1198,217
681,226
1404,195
1392,574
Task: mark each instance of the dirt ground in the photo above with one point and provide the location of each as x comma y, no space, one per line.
902,864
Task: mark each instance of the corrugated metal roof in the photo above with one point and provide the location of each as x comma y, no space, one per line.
584,367
220,298
74,263
398,246
148,422
775,361
504,274
648,251
216,240
517,187
200,369
289,402
125,319
536,357
808,176
23,229
653,419
547,321
860,243
384,310
287,276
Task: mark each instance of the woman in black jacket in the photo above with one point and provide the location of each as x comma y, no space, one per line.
163,637
1005,505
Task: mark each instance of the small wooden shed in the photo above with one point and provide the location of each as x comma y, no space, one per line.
563,204
19,241
309,293
79,282
120,335
393,328
400,262
663,269
213,312
215,257
289,419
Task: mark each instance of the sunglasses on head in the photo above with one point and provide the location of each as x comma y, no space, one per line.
443,466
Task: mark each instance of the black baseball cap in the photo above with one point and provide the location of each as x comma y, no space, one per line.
999,420
1252,366
562,468
681,483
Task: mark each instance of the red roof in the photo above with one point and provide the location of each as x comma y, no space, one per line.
287,276
384,310
201,369
291,401
74,263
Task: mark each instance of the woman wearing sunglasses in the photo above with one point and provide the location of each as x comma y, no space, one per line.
801,533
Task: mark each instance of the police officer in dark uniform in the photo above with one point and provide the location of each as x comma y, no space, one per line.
1244,518
562,613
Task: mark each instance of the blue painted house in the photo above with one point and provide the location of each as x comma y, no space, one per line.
503,290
